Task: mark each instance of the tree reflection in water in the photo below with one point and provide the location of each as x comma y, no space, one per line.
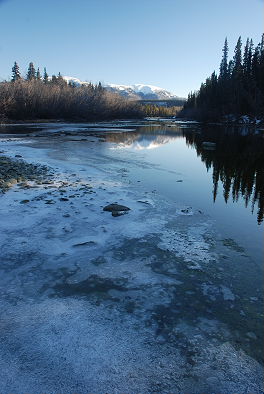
237,162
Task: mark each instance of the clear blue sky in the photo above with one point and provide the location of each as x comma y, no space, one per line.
174,44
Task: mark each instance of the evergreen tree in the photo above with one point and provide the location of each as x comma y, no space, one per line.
15,73
38,76
224,62
247,57
250,54
53,79
60,81
238,57
261,47
230,67
100,88
45,76
31,74
239,88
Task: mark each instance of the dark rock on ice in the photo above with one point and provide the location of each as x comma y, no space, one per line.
115,208
24,201
118,213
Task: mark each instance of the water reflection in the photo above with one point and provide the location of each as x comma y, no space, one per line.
236,162
147,137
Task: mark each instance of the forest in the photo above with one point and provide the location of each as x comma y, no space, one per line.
41,97
237,90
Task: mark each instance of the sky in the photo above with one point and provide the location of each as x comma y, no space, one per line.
173,44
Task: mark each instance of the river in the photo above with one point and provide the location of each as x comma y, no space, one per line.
166,298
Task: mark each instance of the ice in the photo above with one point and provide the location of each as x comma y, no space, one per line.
93,303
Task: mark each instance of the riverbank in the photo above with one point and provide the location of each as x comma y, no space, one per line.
17,171
245,120
150,301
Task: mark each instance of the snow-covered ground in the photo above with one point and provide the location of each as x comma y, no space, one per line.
141,303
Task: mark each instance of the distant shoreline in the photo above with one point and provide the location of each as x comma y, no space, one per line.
244,120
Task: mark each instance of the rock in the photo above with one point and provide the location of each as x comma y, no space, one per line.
64,199
18,156
24,201
187,210
118,213
144,202
50,202
87,243
116,208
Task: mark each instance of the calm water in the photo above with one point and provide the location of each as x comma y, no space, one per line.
225,183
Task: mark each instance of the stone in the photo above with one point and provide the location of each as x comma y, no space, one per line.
24,201
87,243
115,208
118,213
50,202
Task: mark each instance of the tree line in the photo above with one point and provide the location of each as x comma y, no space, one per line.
154,110
37,96
238,88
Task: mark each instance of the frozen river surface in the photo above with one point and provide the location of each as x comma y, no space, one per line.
164,299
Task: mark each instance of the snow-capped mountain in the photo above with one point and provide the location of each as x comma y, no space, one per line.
137,91
141,91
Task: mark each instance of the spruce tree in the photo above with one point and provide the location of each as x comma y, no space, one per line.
100,87
247,58
53,79
38,76
250,54
15,73
59,78
224,63
238,57
31,74
45,76
242,92
60,81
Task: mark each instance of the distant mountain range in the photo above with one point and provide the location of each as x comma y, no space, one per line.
136,92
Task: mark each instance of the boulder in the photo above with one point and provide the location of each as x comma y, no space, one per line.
118,213
116,208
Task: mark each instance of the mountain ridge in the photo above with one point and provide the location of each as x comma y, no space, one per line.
135,91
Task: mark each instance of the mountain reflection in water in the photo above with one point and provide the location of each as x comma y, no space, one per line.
236,162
